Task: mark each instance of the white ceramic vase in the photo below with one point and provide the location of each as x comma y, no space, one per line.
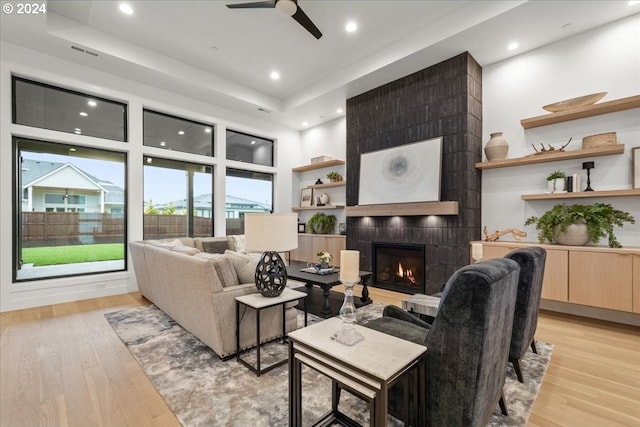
576,235
497,147
557,185
324,198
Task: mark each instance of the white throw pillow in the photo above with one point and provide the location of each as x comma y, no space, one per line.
185,250
239,243
244,265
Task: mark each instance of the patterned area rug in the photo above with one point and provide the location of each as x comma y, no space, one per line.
203,390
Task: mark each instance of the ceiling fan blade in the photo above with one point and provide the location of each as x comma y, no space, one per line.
254,5
304,20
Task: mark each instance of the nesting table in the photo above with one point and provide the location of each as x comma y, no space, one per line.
367,369
259,302
422,304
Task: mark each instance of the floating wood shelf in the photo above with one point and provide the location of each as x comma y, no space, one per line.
582,112
554,157
404,209
320,165
582,194
329,185
316,208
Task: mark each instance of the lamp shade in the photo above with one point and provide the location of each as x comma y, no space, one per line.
270,231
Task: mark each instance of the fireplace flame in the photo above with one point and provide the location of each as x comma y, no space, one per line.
406,273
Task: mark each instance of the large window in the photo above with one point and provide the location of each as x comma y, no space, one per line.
248,148
48,107
177,134
178,199
246,192
70,206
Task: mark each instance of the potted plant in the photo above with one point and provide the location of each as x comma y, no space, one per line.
556,181
577,224
321,223
325,258
334,176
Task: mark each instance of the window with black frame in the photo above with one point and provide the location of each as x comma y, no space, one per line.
247,148
48,107
246,191
177,134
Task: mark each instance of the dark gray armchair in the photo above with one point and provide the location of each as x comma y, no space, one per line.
467,345
525,320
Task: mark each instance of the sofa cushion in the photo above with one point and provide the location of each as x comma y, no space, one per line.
245,266
215,246
225,270
159,243
185,250
237,243
207,255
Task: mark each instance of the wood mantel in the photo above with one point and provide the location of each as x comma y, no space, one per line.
404,209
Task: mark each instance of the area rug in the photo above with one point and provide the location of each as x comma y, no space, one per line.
202,390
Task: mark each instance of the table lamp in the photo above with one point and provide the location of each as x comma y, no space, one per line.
588,166
271,233
349,276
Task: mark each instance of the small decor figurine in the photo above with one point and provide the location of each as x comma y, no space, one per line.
549,150
517,234
325,258
588,166
318,181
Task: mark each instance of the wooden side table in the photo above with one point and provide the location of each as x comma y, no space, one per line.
259,302
368,369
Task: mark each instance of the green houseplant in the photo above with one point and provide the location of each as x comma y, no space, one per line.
556,175
334,176
556,181
321,223
598,218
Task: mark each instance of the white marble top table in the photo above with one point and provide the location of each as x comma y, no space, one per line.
257,300
422,304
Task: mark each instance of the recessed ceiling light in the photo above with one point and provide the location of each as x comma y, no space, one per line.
72,149
305,123
126,9
181,132
339,111
351,27
77,130
207,130
512,46
162,143
92,103
274,75
83,114
253,142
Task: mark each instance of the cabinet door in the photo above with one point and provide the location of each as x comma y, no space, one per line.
335,244
555,285
636,283
601,279
304,251
491,252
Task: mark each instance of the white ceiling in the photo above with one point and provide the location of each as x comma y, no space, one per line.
223,56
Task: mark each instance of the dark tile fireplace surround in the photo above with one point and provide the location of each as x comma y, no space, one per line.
442,100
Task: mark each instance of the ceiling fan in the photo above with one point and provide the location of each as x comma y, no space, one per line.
287,7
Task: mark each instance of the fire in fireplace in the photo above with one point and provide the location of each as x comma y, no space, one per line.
399,267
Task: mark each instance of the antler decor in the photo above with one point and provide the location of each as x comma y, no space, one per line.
517,234
544,150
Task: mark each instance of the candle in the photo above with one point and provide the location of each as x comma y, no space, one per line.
349,266
476,251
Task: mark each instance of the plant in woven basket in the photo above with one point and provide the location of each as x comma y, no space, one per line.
321,223
599,218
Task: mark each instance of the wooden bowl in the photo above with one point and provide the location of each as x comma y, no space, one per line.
570,104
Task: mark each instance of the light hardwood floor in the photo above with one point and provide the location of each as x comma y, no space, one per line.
62,365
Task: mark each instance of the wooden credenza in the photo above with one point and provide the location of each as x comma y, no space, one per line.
579,277
310,244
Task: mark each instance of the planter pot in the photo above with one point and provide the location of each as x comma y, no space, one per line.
497,147
557,185
576,235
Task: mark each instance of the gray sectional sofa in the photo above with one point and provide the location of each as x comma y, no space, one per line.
198,289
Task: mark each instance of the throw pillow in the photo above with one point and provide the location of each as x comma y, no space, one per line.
226,272
185,250
215,247
159,244
206,255
239,244
244,265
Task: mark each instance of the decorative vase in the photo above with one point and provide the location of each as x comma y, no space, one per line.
497,147
324,198
324,264
576,235
557,185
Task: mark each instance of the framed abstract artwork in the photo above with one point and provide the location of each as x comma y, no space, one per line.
408,173
306,197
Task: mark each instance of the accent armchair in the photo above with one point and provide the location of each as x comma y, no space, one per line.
525,320
467,346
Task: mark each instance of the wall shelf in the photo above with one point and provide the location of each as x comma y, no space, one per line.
404,209
328,185
320,165
582,194
582,112
316,208
553,157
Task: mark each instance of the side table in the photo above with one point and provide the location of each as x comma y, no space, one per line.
425,305
258,302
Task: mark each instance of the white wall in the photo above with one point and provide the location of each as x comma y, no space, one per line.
30,64
604,59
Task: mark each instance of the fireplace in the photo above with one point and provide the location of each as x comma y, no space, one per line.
399,267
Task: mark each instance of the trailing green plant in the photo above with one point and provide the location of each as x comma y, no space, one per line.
556,175
600,219
321,223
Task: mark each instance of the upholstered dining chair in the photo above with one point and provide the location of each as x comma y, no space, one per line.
532,261
467,345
